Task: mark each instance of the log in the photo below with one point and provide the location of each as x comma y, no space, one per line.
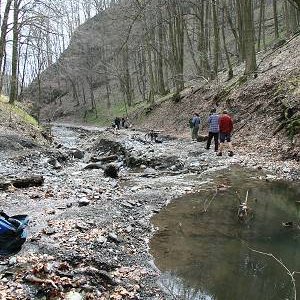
104,159
21,182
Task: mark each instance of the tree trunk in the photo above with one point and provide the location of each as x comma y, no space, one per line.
249,37
230,71
4,27
261,23
276,26
15,56
216,37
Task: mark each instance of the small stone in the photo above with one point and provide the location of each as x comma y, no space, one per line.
73,296
77,154
12,261
101,239
83,202
128,229
49,231
82,226
114,237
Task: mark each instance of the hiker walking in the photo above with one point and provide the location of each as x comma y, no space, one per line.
117,123
226,127
191,125
196,124
213,131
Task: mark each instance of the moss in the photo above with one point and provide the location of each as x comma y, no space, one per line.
225,92
176,97
289,85
293,126
242,80
18,111
27,118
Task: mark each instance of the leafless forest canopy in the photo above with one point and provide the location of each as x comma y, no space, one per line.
97,50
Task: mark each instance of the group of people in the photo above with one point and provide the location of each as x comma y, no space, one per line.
120,123
220,129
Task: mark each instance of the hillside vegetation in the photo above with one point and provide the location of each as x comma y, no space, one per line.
158,63
18,127
141,51
266,109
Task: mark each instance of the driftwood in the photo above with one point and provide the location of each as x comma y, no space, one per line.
286,269
35,280
244,211
21,182
104,159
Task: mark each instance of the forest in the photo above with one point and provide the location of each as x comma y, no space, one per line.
131,51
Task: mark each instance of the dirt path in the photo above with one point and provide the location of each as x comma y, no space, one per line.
89,233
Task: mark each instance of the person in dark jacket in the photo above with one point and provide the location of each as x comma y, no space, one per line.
226,127
191,126
196,124
117,123
213,131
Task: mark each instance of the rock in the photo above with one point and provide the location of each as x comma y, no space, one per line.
128,228
82,226
93,166
111,171
7,182
112,236
49,231
77,153
128,205
101,239
150,171
73,296
12,261
105,159
202,138
83,202
54,162
114,185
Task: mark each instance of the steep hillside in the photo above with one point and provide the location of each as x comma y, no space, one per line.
266,109
112,60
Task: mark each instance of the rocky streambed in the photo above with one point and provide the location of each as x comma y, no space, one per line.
90,220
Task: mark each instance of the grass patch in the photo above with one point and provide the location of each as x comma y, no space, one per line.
27,118
293,126
16,111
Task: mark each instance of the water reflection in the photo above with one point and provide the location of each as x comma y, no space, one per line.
205,255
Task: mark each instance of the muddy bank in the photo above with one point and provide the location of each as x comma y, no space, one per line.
89,232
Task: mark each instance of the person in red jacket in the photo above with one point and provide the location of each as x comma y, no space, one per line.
226,127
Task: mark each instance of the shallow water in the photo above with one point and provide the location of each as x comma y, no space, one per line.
206,255
66,136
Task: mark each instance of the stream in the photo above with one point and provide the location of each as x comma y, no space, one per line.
98,231
207,255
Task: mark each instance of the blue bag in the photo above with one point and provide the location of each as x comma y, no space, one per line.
13,233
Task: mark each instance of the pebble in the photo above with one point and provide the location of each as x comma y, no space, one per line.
101,239
73,296
83,202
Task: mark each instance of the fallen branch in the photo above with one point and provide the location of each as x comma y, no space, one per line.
22,182
211,200
35,280
290,273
